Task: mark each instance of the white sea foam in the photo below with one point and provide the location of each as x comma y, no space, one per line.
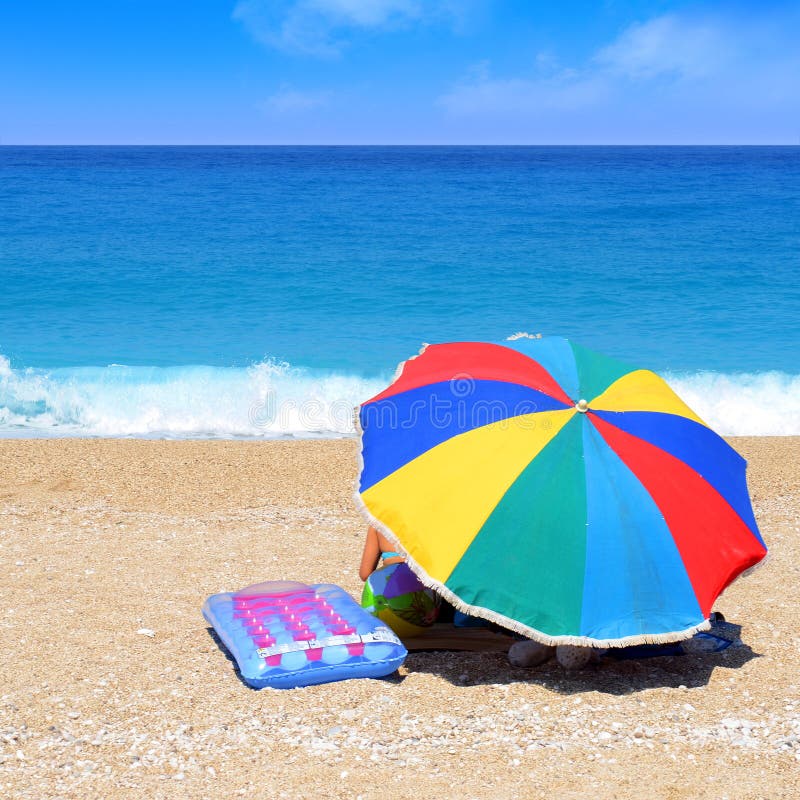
273,399
268,400
743,404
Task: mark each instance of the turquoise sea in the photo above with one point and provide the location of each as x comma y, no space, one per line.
264,291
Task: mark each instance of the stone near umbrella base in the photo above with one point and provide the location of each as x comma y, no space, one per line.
528,653
572,657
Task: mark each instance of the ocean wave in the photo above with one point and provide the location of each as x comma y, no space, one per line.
268,400
742,404
274,399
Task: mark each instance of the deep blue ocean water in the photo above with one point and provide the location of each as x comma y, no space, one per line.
212,278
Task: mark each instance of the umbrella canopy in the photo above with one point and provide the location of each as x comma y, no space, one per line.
560,493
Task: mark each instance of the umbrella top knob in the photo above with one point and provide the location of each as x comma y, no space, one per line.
582,406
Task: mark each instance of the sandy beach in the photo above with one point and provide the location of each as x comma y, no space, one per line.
102,538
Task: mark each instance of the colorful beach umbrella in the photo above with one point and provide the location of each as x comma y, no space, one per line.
560,493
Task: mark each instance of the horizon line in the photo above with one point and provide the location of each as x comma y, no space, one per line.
400,144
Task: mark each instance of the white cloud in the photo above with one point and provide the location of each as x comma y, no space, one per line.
320,27
560,89
685,77
667,45
367,13
291,101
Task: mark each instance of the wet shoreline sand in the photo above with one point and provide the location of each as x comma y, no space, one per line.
101,538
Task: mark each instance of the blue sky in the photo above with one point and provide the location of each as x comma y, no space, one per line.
398,72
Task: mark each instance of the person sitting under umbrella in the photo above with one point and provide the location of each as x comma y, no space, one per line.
377,548
378,553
